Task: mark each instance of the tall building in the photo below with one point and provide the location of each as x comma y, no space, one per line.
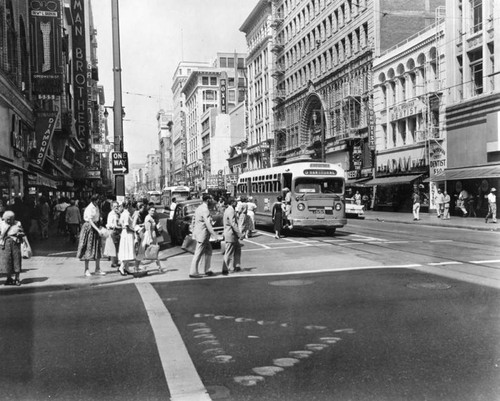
261,91
473,106
165,142
324,52
179,150
409,111
221,87
50,100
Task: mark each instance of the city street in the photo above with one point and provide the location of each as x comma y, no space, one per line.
381,311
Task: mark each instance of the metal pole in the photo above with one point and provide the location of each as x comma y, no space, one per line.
117,105
323,136
117,76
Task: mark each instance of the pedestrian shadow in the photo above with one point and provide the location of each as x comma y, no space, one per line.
34,280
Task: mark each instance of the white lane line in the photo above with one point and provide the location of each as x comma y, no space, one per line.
182,378
288,239
484,261
365,238
256,243
442,240
395,242
444,263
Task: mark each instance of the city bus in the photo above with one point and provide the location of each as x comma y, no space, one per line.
317,191
154,196
179,192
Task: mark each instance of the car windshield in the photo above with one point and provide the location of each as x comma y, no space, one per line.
319,185
191,208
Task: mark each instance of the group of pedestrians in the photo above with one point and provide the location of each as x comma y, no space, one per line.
131,228
443,200
238,224
281,213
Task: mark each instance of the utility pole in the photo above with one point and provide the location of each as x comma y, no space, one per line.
117,105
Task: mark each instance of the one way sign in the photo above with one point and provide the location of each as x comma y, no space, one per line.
119,162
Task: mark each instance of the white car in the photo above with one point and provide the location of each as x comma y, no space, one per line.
354,210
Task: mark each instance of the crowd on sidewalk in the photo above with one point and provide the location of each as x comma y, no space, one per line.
126,233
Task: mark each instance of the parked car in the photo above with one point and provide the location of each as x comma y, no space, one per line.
181,224
354,210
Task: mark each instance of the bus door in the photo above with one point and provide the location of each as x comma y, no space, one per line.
249,186
287,181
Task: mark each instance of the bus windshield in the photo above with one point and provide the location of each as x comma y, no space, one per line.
310,185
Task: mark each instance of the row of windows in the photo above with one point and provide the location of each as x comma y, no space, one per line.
261,187
329,59
330,24
228,62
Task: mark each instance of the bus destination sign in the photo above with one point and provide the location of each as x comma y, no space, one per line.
320,172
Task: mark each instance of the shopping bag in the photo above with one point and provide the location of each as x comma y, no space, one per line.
189,244
109,247
151,252
26,251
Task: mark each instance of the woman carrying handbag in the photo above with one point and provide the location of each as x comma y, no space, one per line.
11,237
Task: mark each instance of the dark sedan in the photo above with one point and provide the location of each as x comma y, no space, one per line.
180,225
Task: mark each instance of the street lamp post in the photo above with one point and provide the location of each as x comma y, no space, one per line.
117,105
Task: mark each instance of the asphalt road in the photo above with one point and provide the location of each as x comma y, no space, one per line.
379,312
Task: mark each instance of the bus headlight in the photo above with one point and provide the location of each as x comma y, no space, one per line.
338,206
301,206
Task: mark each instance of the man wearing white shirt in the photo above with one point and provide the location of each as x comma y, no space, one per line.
492,206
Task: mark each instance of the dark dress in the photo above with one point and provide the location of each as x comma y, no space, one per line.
90,244
278,216
10,253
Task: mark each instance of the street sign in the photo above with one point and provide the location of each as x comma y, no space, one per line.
119,162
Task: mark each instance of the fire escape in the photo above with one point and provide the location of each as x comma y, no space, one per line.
278,73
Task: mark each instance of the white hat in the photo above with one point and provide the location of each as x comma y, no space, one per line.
493,189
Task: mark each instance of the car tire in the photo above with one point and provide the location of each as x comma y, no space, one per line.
330,231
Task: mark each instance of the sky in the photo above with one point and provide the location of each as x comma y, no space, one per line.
155,35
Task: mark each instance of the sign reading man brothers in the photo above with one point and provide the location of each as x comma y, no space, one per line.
80,75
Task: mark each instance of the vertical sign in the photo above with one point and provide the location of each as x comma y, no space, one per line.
44,128
80,74
223,93
45,22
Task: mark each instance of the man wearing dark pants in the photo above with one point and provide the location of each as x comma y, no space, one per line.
201,234
232,255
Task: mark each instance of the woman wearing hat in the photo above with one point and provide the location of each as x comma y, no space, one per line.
11,237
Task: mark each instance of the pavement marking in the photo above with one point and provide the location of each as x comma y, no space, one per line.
256,243
396,242
63,253
288,239
182,378
442,240
366,238
484,261
445,263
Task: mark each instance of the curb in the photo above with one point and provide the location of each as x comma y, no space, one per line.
431,224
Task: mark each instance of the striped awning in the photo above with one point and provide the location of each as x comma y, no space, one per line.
394,179
470,173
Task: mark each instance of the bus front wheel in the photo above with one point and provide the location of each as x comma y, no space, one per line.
330,231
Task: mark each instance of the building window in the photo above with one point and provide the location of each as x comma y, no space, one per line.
204,80
477,15
223,62
213,81
230,62
476,66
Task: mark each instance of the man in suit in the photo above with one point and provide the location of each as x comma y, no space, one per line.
232,234
201,234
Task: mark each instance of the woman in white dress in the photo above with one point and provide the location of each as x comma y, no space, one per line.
148,237
126,251
251,207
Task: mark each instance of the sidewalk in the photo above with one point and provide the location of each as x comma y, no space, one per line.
430,219
55,267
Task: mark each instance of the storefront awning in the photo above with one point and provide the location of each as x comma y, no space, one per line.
12,165
470,173
357,183
396,179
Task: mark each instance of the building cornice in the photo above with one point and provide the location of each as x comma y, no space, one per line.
255,16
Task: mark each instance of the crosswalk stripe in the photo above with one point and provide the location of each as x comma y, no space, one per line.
183,380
